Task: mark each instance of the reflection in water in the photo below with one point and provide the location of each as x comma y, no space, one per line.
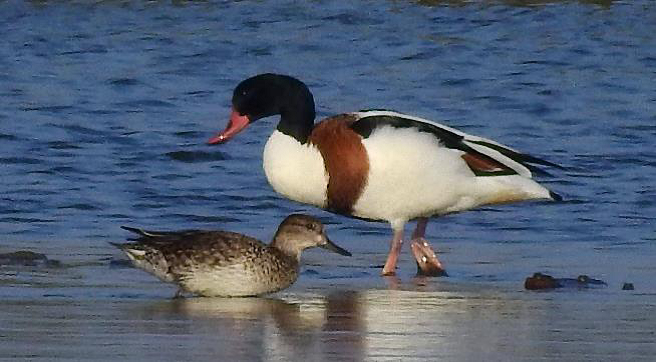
250,328
344,332
241,327
349,325
464,325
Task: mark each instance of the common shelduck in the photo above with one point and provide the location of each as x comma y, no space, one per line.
226,264
378,164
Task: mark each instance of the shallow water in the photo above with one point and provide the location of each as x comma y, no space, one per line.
107,107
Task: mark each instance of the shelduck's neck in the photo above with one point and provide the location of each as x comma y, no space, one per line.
297,112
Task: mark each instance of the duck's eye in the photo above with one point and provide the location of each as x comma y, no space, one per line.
312,226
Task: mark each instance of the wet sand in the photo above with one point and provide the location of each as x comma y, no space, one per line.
93,312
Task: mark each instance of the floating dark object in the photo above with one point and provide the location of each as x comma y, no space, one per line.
540,281
627,286
543,281
27,258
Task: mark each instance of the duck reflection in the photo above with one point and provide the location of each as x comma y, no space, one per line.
250,328
403,323
344,329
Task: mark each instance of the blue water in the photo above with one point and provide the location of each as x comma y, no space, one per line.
106,107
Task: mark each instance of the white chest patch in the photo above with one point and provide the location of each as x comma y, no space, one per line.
294,170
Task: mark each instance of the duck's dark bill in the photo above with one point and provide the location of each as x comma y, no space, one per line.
335,248
236,124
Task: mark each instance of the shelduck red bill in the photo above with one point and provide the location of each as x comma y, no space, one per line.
235,125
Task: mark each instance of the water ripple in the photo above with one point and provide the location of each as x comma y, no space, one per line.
123,82
196,156
202,218
8,137
145,103
63,145
21,160
83,207
52,109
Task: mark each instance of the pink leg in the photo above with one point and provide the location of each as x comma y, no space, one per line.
395,249
420,229
427,262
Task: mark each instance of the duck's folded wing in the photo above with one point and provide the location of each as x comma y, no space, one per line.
197,243
483,156
164,236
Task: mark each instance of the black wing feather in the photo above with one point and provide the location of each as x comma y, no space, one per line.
366,125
